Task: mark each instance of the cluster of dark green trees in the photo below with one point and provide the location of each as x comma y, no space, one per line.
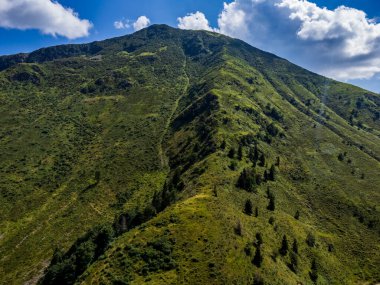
273,112
293,254
249,179
257,258
65,268
284,250
248,208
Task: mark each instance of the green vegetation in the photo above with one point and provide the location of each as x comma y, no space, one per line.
247,180
314,271
66,268
184,157
295,246
297,215
248,207
284,246
258,258
272,204
310,240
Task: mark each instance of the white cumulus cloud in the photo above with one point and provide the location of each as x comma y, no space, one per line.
119,25
342,43
357,34
47,16
233,18
194,21
141,23
122,24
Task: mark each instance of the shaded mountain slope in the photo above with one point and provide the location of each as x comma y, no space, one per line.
157,129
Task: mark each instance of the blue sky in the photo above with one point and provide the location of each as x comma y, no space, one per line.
343,43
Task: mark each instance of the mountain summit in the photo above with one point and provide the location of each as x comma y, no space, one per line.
184,157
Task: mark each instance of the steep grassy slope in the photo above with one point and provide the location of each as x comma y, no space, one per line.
161,124
79,141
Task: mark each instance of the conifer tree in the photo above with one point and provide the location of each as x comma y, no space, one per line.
258,258
240,152
310,240
284,246
293,262
295,246
223,145
271,205
247,180
253,155
258,179
256,153
314,271
272,173
239,228
259,239
297,215
248,207
231,153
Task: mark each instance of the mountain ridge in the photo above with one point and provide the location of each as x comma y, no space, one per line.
234,123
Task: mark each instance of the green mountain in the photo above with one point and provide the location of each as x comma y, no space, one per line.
184,157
